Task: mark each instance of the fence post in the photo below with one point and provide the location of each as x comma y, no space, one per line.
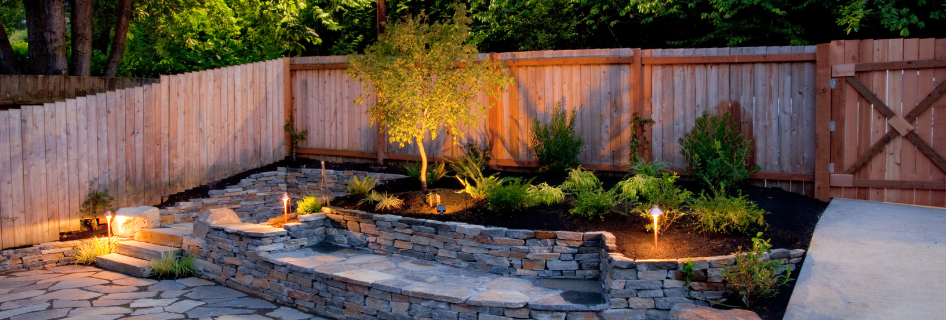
288,101
822,120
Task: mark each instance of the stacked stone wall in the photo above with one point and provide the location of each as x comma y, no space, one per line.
38,256
257,198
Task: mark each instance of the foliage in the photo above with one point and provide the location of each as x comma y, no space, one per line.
383,201
507,25
361,187
649,168
469,171
580,180
544,194
592,204
308,205
96,202
720,213
556,145
717,152
753,276
647,191
88,249
294,136
638,131
894,17
436,172
425,80
511,196
173,266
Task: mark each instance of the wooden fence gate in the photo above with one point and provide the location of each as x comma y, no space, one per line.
886,130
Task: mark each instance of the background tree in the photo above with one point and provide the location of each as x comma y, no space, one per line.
8,63
35,28
81,37
427,78
122,20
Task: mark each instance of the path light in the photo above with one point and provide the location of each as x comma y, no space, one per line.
108,222
655,212
285,207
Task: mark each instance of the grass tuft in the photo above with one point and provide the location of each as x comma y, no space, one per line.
88,249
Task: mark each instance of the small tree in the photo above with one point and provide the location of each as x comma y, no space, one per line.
426,78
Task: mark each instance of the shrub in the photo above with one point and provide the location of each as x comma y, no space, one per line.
295,137
308,205
752,276
88,249
434,173
594,203
723,214
580,180
469,169
649,168
172,266
555,144
511,196
717,152
96,202
383,201
647,191
544,194
361,187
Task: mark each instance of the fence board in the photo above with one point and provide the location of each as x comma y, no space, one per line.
938,197
6,181
16,217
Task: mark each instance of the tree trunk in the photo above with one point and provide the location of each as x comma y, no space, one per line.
382,16
118,42
7,59
56,37
423,165
35,27
82,38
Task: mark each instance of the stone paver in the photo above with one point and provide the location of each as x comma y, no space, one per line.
80,292
871,260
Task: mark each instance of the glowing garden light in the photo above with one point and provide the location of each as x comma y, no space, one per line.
108,222
285,207
655,212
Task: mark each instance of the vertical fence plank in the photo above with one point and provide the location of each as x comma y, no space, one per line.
34,161
85,140
175,133
72,163
938,197
105,154
908,153
6,182
16,217
54,191
894,101
148,148
924,123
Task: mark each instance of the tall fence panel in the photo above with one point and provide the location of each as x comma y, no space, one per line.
138,143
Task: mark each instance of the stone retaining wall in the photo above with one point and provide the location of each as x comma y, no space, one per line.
257,198
546,254
38,256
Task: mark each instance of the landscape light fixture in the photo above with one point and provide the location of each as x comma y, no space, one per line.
285,207
108,222
441,209
655,212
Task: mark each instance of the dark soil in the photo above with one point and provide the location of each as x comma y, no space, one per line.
101,231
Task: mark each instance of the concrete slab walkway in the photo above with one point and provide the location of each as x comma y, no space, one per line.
80,292
871,260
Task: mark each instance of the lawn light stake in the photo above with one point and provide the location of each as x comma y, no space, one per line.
441,209
108,222
655,212
285,207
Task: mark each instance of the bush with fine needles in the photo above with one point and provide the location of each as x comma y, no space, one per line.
172,266
383,201
308,204
88,249
361,187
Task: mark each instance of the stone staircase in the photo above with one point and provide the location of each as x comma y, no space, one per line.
133,257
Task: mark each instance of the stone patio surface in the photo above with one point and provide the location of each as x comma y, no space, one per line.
871,260
79,292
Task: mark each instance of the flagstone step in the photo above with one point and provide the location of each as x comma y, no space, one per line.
186,226
145,251
124,264
162,236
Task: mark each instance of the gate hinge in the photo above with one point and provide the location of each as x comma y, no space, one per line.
831,125
832,82
831,167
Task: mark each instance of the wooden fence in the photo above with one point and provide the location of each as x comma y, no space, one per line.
138,143
34,89
770,88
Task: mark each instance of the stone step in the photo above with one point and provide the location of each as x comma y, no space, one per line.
144,250
162,236
124,264
186,226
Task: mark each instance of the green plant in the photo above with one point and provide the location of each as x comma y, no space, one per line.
436,172
425,80
383,201
361,187
638,129
556,145
647,191
753,276
469,169
510,196
579,180
720,213
294,136
717,152
649,168
96,202
173,266
88,249
594,203
544,194
308,205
